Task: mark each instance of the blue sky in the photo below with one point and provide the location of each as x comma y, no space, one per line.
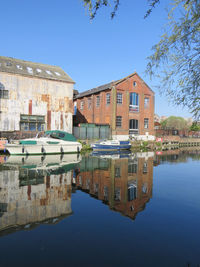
92,53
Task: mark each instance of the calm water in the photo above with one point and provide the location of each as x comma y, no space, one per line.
130,210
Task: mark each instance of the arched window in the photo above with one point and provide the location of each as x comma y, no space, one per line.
133,126
134,102
3,92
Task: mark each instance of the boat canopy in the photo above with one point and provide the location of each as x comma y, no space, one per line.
61,135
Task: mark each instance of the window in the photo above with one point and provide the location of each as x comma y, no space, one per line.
117,172
119,98
145,188
117,195
81,104
32,123
97,100
132,190
89,103
96,189
107,98
146,123
133,126
106,193
146,102
88,184
119,121
134,84
134,102
145,167
3,92
132,166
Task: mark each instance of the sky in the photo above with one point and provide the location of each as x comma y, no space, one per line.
92,52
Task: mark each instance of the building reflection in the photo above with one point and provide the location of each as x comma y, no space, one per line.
34,190
123,183
38,190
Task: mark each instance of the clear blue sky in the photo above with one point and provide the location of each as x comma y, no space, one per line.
92,53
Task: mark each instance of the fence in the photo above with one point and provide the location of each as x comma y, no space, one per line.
90,133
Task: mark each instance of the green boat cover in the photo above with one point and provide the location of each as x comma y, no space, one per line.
61,135
27,142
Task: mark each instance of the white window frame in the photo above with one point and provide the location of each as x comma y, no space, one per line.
107,98
98,101
119,98
118,121
146,123
81,104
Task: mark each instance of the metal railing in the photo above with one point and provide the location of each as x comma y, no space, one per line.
133,108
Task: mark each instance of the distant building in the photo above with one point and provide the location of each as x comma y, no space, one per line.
127,105
34,97
156,118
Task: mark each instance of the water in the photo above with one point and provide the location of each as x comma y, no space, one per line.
121,210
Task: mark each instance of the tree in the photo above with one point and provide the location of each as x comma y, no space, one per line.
94,5
177,123
195,127
175,60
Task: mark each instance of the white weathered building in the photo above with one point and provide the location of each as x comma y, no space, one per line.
34,97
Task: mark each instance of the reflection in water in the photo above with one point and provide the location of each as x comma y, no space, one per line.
35,189
123,183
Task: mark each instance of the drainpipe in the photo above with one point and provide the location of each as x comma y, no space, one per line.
114,109
92,108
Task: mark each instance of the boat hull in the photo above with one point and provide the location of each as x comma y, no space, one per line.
111,146
15,149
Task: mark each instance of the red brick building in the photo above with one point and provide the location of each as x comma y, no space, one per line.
125,186
127,105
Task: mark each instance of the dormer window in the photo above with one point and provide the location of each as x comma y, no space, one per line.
8,64
3,92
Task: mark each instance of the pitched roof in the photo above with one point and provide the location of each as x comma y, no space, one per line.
107,86
31,69
95,90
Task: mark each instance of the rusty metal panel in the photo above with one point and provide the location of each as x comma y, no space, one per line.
35,96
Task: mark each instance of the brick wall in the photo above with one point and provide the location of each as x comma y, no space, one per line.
107,113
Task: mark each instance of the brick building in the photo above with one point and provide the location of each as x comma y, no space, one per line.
127,105
34,97
124,184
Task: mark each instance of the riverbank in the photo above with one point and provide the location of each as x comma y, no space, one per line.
161,144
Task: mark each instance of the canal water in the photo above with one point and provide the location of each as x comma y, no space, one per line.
138,209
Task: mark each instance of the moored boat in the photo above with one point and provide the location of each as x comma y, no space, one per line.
111,145
52,142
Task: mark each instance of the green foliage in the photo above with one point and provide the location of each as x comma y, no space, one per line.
145,143
158,144
176,57
163,124
94,5
195,127
174,122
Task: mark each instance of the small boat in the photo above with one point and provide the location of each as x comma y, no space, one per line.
111,145
52,142
112,154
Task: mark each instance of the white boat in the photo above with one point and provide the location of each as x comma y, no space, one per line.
111,145
42,161
52,142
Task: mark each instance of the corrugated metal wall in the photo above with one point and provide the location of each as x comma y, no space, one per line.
90,133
